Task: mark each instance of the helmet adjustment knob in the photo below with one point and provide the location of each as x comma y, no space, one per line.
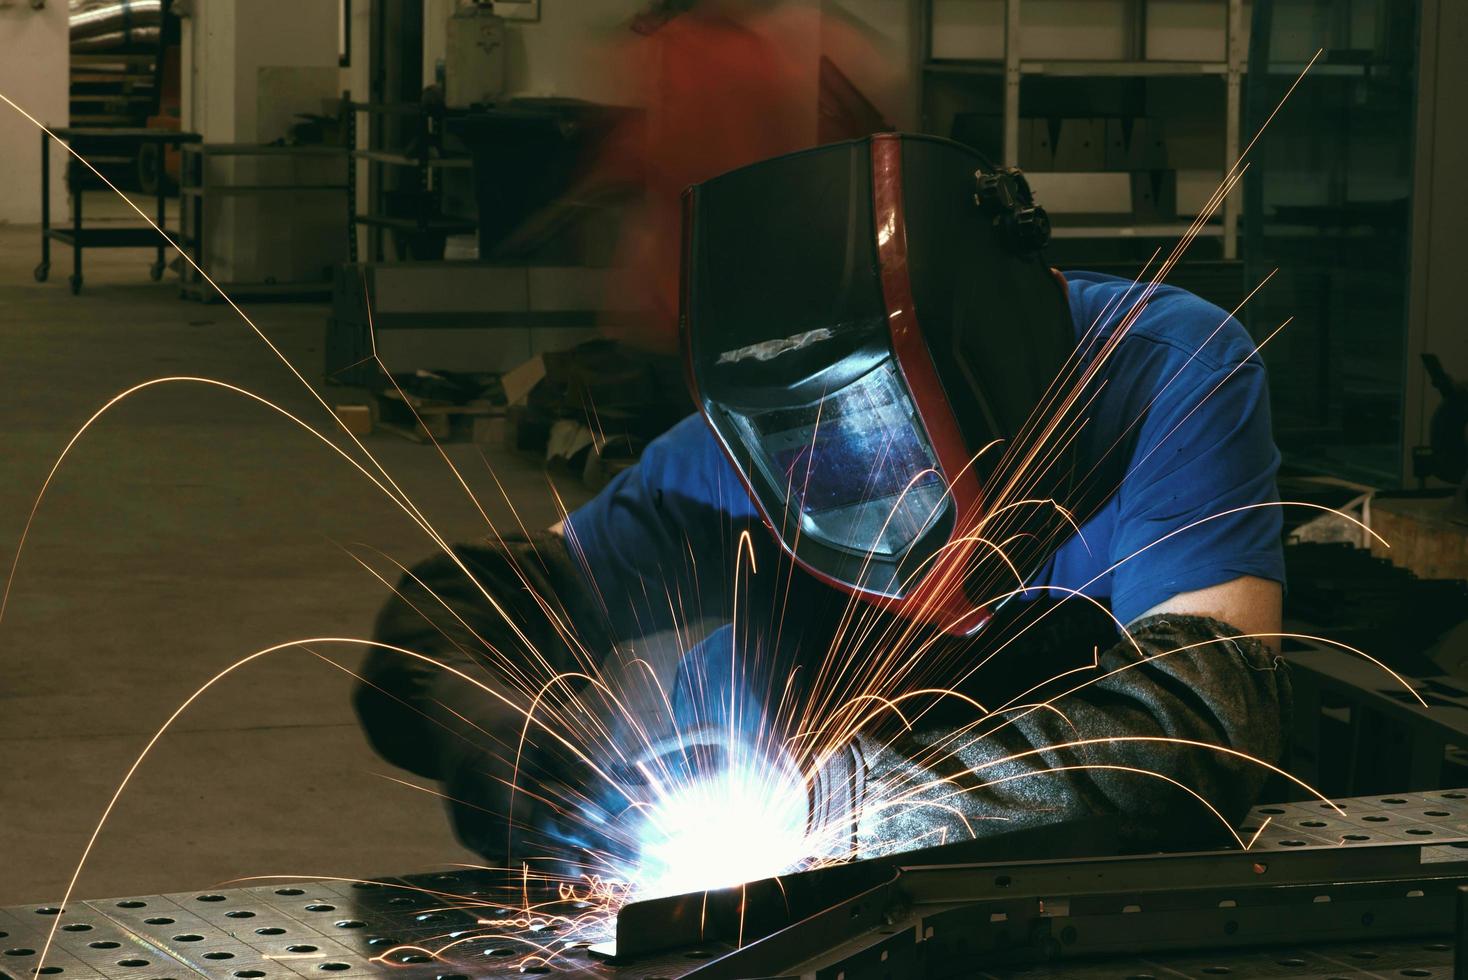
1005,196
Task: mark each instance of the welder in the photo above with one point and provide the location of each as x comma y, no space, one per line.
1061,484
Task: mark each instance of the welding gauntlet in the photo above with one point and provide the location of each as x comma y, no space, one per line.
1162,729
439,725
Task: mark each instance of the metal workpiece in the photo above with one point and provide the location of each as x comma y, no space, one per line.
1371,891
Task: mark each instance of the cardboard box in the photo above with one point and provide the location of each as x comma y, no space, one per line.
1081,145
1036,145
356,418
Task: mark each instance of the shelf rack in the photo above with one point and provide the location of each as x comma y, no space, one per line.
428,159
1014,69
197,187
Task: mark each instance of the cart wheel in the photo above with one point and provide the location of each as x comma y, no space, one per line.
42,271
155,271
76,284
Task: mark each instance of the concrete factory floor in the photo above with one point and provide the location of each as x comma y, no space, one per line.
190,528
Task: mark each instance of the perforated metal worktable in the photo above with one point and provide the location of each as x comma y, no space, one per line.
1385,905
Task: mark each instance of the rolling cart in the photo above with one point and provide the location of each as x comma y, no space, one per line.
80,237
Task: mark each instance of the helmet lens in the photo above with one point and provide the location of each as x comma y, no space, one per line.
856,466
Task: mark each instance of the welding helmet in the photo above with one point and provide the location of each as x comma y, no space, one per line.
870,331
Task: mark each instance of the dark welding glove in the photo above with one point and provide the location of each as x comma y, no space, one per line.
1011,773
433,723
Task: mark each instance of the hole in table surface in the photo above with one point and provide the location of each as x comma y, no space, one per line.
104,944
1356,837
417,958
132,962
210,898
290,891
47,971
301,948
1375,818
334,967
270,931
188,937
350,924
219,955
132,903
20,951
1312,823
1415,972
72,927
1436,813
381,941
249,974
159,920
1271,810
48,910
1394,801
320,907
499,951
239,914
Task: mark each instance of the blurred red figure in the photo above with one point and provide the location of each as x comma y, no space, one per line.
723,83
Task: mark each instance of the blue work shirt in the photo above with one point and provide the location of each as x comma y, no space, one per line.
1178,434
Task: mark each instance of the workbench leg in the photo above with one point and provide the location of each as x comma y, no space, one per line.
44,269
76,228
1425,769
155,271
1460,938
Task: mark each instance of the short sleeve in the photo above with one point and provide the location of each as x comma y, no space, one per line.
1198,505
658,543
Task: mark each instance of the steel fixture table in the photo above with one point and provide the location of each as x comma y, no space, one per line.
79,237
1372,891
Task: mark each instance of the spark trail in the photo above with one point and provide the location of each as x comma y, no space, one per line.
663,799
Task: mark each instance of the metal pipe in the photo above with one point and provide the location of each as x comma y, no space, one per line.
127,19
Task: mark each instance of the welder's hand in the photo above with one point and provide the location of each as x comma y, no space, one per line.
1183,710
837,794
554,810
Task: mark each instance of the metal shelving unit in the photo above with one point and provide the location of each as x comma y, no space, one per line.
198,187
427,225
1014,70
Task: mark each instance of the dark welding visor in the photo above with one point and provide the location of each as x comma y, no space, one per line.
854,428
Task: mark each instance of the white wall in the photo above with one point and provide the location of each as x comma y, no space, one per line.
34,62
566,52
228,42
